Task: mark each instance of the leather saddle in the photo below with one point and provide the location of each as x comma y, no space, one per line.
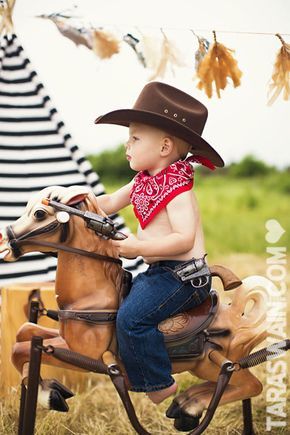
186,335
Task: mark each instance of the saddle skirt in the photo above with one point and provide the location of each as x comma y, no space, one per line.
184,334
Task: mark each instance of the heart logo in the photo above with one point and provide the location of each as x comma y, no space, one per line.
275,231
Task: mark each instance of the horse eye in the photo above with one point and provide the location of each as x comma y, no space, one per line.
40,215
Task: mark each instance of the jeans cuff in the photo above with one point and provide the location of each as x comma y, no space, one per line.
151,388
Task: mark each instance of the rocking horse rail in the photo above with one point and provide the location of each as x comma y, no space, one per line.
29,415
222,382
119,383
33,318
247,417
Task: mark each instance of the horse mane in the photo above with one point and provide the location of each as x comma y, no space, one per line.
112,271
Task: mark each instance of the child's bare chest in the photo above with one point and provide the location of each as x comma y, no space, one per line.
159,226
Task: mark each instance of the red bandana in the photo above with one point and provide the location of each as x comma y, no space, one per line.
150,194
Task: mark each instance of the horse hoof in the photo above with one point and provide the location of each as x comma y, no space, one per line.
185,422
173,411
62,389
52,395
57,402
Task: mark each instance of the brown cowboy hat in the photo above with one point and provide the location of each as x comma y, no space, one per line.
172,110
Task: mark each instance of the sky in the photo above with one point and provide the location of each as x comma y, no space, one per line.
83,87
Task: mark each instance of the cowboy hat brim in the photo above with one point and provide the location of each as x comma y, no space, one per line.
198,145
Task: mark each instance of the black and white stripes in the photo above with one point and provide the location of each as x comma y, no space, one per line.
35,152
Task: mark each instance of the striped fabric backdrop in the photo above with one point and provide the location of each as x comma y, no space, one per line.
35,152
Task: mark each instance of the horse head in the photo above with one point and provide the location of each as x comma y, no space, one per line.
42,228
81,252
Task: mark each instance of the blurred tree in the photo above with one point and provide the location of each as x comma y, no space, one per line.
249,166
112,165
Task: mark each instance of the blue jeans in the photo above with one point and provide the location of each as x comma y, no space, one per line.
155,295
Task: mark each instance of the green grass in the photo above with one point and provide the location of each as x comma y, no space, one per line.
234,211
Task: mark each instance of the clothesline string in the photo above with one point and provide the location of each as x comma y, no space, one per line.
165,28
242,32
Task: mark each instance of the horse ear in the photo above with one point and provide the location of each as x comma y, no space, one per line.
77,199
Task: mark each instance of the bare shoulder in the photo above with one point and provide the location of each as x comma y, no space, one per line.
183,214
184,201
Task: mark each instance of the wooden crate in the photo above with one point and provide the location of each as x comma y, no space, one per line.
14,298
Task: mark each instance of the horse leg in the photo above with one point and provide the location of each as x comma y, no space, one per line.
192,394
28,330
52,394
196,399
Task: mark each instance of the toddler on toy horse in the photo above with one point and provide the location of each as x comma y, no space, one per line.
165,124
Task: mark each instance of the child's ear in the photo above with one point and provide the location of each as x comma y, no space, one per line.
166,146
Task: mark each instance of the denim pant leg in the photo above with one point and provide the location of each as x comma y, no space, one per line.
155,295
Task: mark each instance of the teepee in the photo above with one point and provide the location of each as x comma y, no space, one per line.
35,151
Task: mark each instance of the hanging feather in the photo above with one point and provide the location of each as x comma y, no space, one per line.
104,44
133,43
170,56
203,46
78,36
6,9
150,50
281,74
216,66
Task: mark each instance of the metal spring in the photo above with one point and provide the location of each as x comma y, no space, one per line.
265,354
78,360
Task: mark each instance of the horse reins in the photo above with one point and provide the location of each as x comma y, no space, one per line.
16,242
75,251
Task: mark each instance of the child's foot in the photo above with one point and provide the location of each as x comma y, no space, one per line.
159,396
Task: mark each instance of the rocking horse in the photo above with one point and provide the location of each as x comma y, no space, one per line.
212,341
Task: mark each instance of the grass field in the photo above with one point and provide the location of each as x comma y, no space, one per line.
234,214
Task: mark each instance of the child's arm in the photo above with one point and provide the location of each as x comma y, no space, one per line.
113,202
182,215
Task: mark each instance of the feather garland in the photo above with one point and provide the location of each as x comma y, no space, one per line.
216,66
170,56
281,74
104,44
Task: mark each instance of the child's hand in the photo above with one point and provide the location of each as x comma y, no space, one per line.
128,248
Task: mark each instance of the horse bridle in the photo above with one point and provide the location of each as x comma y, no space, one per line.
16,242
